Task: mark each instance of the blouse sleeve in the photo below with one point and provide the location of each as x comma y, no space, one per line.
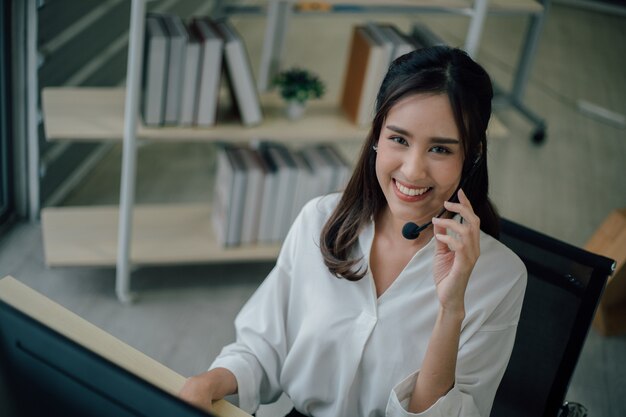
257,355
481,363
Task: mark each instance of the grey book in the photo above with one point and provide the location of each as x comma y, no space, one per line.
239,73
270,189
286,172
191,79
156,52
402,44
322,168
425,36
229,193
305,185
341,169
254,193
210,71
177,35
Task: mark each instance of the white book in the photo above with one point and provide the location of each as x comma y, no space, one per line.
306,184
177,35
235,216
154,72
299,184
378,70
210,72
381,38
220,207
253,196
270,189
239,72
191,79
341,169
230,189
322,170
284,197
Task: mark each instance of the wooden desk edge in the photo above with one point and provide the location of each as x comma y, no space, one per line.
79,330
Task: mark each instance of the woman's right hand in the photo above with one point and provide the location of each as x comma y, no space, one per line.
201,390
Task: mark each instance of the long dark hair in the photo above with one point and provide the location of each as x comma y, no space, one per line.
434,70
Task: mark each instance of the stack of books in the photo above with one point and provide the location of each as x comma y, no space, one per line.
183,67
373,47
424,36
260,190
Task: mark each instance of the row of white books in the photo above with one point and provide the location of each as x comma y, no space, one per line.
183,66
260,189
372,49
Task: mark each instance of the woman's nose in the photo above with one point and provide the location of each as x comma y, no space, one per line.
414,167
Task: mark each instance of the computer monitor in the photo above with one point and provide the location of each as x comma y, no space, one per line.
44,373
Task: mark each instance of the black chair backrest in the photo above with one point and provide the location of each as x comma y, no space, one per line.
564,287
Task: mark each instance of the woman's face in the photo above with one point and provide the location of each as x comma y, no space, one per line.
419,159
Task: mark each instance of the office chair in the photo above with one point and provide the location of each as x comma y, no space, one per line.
564,287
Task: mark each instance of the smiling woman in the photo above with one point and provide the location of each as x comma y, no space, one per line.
357,320
440,100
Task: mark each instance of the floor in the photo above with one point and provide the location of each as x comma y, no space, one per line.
564,188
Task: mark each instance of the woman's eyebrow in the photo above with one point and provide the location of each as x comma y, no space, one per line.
445,141
436,140
399,130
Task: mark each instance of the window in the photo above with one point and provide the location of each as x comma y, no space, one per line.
6,203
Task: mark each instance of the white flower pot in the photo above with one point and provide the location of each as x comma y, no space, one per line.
295,109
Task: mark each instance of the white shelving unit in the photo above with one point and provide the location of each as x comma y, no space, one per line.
171,234
279,14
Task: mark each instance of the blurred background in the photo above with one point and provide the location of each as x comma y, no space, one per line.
564,186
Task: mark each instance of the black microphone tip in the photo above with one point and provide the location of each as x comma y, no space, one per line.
410,231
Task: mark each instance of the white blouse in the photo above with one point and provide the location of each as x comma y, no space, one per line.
336,349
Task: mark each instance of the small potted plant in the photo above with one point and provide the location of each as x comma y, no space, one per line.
297,86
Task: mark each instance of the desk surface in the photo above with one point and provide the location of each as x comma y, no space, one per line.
79,330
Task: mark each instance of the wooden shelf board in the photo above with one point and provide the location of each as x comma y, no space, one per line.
88,114
162,235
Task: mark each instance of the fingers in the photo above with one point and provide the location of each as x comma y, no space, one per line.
195,392
461,239
464,208
466,235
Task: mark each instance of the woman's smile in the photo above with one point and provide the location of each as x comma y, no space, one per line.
410,193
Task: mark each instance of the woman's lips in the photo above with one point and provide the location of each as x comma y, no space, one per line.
410,193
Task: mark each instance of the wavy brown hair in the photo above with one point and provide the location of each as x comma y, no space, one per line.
434,70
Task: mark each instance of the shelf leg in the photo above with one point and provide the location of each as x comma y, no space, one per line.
475,30
278,13
522,75
533,33
32,133
129,151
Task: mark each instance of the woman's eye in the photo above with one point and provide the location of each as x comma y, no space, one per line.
440,149
400,140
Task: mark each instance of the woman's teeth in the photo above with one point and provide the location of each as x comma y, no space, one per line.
411,192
